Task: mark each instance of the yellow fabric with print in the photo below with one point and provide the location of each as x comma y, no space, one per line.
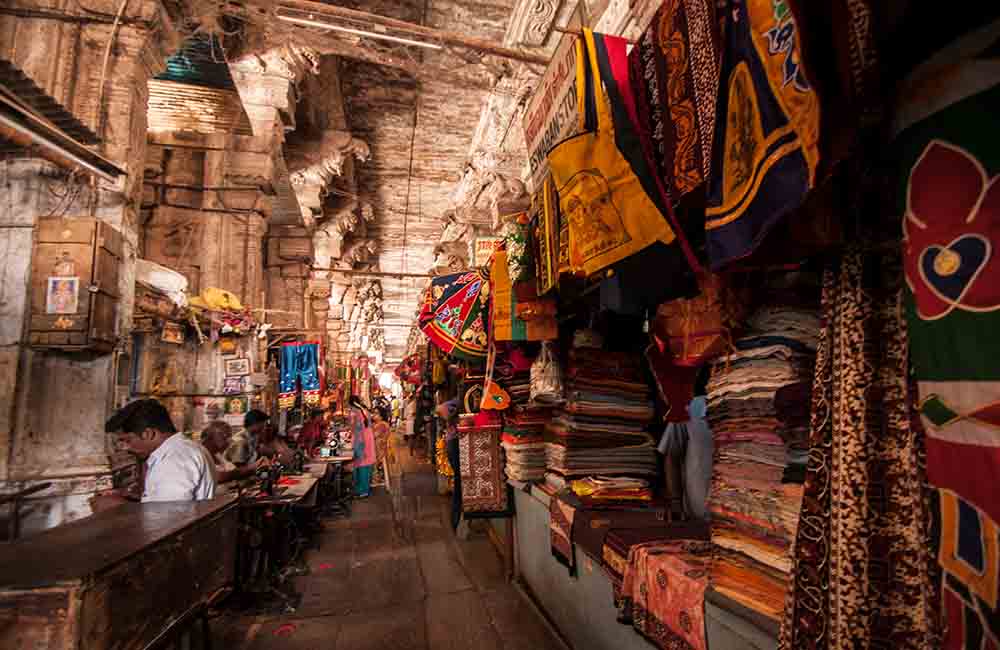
610,216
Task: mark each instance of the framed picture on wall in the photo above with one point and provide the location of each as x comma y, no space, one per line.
232,385
62,295
237,405
237,367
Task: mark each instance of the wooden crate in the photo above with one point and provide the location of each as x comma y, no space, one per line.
95,250
118,579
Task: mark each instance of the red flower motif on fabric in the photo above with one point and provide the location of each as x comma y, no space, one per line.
952,221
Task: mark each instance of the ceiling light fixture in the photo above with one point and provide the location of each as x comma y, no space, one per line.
311,22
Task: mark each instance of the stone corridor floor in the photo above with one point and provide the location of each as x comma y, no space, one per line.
393,576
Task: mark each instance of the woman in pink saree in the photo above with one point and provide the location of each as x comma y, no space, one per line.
364,447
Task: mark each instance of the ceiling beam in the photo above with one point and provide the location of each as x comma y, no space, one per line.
323,10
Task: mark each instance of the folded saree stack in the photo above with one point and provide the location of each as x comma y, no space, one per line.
523,434
523,440
601,428
758,408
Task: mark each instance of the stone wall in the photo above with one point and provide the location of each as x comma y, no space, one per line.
53,405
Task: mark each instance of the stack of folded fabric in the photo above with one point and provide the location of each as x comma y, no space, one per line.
523,440
758,408
523,434
792,404
600,430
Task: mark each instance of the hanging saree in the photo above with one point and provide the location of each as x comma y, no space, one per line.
950,159
766,140
861,563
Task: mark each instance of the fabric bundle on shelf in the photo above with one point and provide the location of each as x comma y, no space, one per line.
600,430
523,440
758,408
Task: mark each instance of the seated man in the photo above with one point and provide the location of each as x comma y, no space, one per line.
242,451
216,438
177,468
273,447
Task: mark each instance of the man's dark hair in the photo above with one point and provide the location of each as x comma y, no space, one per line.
255,417
140,415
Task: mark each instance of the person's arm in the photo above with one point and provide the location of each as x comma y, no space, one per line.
237,473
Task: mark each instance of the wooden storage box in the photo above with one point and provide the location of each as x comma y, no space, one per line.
118,579
90,251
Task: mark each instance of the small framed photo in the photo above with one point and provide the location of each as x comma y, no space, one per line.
237,367
62,295
172,333
232,385
237,405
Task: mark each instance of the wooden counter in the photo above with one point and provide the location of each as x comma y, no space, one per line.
118,579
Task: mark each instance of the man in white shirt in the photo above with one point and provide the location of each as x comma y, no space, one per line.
178,468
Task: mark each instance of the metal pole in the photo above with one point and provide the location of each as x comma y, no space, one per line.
374,274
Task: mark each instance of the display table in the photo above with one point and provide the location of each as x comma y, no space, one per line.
123,578
582,607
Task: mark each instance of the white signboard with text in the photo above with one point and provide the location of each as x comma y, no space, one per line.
551,115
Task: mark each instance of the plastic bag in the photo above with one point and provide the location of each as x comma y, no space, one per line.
546,378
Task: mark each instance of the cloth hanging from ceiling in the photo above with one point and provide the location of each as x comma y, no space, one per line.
766,142
455,314
674,70
861,561
604,190
949,160
300,366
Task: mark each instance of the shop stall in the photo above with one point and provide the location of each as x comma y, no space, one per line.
693,408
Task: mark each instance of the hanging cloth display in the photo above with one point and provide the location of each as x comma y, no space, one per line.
766,141
609,213
547,236
300,366
674,70
860,576
514,320
950,202
454,314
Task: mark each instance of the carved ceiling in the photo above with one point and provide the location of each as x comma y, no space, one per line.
413,138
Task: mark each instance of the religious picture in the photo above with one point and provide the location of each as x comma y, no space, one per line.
62,295
172,333
237,367
237,405
232,385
